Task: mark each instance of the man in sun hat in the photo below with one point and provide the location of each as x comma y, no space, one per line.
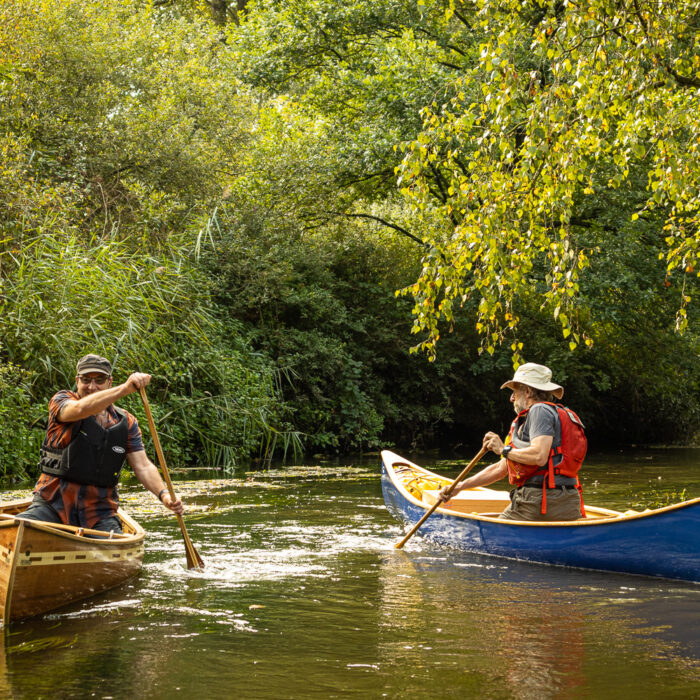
87,441
542,453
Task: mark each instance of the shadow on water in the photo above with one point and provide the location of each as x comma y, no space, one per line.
304,596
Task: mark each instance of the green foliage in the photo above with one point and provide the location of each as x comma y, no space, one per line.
130,106
216,403
232,208
19,438
339,70
364,68
659,499
312,305
563,104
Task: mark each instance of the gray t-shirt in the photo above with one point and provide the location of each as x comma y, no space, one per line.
541,419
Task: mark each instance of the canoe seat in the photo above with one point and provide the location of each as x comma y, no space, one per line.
484,501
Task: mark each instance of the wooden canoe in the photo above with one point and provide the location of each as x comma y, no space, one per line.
44,565
664,542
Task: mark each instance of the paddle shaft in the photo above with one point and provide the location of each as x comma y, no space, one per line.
194,561
438,503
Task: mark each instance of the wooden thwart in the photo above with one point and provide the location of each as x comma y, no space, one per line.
471,501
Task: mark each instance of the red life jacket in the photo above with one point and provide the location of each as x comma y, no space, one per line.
572,450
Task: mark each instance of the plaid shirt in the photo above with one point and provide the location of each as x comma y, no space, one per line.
83,505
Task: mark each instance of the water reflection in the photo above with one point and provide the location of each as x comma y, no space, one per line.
86,655
537,632
303,596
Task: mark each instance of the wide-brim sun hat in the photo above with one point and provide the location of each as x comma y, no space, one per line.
536,376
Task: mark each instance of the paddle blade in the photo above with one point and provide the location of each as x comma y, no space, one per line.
408,536
194,561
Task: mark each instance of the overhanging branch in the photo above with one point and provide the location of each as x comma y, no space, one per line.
384,222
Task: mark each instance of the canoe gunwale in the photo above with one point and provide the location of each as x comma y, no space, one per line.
611,520
70,532
73,536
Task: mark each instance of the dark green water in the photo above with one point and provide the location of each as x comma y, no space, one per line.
303,596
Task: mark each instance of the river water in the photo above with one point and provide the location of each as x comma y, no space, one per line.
304,596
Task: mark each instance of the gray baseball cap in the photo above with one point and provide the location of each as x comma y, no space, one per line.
94,363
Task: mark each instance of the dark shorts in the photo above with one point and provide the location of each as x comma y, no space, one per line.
41,510
526,504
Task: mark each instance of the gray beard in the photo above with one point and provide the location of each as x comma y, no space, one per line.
518,407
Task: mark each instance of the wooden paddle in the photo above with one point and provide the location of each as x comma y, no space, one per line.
194,561
438,503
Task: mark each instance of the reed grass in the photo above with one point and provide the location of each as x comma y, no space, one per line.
64,296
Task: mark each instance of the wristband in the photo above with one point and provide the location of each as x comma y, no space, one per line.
160,494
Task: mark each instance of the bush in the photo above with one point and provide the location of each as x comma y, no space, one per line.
21,434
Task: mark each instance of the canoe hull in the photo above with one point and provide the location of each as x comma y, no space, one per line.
43,568
662,543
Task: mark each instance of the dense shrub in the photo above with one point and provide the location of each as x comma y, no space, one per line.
21,433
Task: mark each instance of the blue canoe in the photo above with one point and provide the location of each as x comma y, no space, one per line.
664,542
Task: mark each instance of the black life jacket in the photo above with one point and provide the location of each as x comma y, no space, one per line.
95,455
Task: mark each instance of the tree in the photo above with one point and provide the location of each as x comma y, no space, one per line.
565,104
365,69
347,83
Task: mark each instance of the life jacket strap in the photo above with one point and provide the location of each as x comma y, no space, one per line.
549,481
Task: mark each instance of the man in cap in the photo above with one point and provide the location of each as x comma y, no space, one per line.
542,453
87,441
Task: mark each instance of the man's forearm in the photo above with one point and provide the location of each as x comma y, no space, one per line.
486,476
147,473
93,404
536,453
150,478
